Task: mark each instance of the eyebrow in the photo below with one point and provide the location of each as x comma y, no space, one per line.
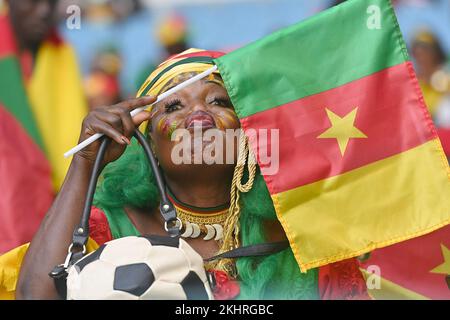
219,83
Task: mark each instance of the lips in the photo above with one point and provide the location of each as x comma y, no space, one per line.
200,119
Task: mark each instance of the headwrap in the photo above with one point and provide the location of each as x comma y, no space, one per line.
191,60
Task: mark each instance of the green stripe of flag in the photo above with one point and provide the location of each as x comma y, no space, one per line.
326,51
14,98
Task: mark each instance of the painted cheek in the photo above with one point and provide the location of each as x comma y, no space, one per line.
171,129
219,123
166,126
228,120
162,124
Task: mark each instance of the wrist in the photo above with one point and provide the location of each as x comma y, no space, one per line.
82,162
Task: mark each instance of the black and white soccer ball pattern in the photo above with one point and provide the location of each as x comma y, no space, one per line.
140,268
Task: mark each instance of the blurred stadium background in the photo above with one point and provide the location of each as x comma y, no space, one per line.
129,29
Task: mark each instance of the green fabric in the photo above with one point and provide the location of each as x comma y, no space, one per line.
321,53
14,98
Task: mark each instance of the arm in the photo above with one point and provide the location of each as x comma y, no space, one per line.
49,246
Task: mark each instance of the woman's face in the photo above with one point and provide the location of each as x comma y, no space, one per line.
200,108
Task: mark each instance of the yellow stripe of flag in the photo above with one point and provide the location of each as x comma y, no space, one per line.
391,212
58,103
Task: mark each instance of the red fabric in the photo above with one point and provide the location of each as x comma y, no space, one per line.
444,136
411,264
225,288
7,44
342,281
25,184
55,38
99,227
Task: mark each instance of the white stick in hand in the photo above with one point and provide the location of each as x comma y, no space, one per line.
182,85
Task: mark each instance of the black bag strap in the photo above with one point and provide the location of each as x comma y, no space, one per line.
80,236
166,208
255,250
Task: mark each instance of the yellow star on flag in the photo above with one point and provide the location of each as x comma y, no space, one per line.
445,267
342,129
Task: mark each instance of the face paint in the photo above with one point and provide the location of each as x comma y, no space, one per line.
153,112
166,127
231,118
162,124
226,119
219,123
172,128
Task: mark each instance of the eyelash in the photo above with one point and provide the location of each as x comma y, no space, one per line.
222,101
173,105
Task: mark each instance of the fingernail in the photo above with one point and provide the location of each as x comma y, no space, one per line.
125,139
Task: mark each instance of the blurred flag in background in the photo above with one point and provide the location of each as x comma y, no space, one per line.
414,269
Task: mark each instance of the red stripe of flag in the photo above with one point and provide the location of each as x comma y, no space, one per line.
387,115
7,42
410,264
25,184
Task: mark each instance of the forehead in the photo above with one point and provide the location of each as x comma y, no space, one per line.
202,87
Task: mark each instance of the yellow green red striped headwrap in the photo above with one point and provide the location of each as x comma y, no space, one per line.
191,60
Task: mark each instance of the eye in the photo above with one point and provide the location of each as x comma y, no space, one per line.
221,101
173,105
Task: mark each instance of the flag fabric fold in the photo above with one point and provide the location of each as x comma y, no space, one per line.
41,110
360,163
25,183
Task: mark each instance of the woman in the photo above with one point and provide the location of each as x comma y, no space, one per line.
126,199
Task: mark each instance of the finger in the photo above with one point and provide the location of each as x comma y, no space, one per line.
110,118
136,103
98,126
141,117
127,122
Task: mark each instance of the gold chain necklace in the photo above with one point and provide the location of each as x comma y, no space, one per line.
208,224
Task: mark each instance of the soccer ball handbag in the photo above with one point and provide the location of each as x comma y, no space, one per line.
148,267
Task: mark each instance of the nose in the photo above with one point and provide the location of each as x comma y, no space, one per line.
199,106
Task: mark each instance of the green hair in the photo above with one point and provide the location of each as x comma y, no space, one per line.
130,182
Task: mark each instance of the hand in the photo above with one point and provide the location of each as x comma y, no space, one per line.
115,122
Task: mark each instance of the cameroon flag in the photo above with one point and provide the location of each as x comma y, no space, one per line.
25,176
360,164
415,269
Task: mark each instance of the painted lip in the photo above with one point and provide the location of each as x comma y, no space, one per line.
200,119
